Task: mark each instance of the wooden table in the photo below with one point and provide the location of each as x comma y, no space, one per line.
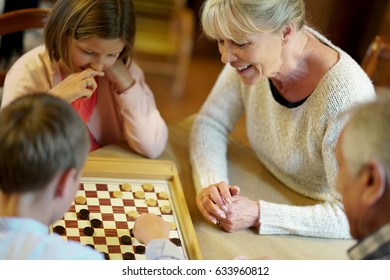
244,167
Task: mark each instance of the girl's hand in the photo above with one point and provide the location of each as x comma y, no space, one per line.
77,85
120,76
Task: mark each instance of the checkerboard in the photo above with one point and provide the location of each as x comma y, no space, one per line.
103,205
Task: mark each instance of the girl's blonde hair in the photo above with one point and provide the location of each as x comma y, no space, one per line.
81,19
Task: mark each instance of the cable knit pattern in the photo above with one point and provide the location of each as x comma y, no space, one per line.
296,144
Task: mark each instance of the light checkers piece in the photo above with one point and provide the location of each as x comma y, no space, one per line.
125,187
117,194
80,199
133,214
117,209
148,187
163,195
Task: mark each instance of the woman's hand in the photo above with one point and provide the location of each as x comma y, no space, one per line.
120,76
243,213
215,200
77,85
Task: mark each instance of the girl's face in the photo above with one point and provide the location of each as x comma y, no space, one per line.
96,53
254,57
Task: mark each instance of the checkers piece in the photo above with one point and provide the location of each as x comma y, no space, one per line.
59,230
128,256
88,231
173,226
148,187
80,199
139,249
165,209
96,223
132,214
176,241
83,214
151,202
125,239
139,194
126,187
162,195
117,194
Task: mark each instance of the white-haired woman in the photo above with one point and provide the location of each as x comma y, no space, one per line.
291,82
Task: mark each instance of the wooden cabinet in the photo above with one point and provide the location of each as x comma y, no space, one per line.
353,24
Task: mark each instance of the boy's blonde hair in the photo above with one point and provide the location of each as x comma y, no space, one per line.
40,136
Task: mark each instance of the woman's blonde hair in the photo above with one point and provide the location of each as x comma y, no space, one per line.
232,19
81,19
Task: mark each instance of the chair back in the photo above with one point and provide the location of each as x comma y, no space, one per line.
376,62
21,20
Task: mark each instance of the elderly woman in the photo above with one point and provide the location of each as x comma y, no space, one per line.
291,82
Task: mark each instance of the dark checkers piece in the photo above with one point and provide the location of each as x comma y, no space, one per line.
96,223
139,249
88,231
125,239
84,214
59,229
176,241
128,256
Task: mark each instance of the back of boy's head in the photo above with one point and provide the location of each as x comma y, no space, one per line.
40,135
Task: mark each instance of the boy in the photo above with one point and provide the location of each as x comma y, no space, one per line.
43,147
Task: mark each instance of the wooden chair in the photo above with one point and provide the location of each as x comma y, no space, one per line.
376,62
164,39
21,20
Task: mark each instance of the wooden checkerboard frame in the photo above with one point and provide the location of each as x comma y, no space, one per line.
105,167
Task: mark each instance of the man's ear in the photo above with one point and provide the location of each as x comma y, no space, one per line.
65,179
287,32
375,183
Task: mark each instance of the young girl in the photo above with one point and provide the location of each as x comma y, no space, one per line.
86,60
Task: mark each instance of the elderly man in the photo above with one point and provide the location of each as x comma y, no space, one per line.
363,155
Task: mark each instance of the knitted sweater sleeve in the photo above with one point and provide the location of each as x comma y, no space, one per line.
325,219
210,130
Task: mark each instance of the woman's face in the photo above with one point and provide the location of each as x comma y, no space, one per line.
96,53
254,56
